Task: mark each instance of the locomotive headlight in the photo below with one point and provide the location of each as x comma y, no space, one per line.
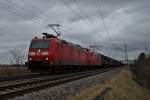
45,53
46,58
30,58
31,53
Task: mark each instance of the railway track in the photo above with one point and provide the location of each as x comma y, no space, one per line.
20,88
13,78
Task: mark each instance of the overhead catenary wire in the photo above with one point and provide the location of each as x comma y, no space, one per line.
81,18
103,20
53,19
86,16
25,14
29,13
99,7
33,7
13,12
47,15
100,14
104,24
76,13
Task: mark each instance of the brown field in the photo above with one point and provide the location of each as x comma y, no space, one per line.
12,70
122,88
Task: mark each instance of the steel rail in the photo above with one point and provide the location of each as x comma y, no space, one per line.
12,78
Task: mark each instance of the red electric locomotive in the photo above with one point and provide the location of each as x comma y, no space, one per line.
52,53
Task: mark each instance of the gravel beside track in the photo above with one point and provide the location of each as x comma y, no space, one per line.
62,92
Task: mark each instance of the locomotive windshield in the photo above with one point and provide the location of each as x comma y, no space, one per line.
40,44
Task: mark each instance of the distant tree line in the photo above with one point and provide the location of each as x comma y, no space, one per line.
141,69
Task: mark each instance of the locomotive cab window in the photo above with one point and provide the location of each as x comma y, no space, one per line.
40,44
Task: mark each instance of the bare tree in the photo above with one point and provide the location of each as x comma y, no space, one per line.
17,58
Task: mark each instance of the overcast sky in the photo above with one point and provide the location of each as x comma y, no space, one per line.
84,22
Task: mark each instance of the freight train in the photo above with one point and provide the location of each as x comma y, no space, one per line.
51,53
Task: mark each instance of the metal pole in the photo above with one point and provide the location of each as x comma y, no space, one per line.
126,53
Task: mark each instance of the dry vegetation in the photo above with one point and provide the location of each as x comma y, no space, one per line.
13,70
122,88
88,94
141,70
125,88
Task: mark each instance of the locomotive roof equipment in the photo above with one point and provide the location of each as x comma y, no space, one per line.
55,28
